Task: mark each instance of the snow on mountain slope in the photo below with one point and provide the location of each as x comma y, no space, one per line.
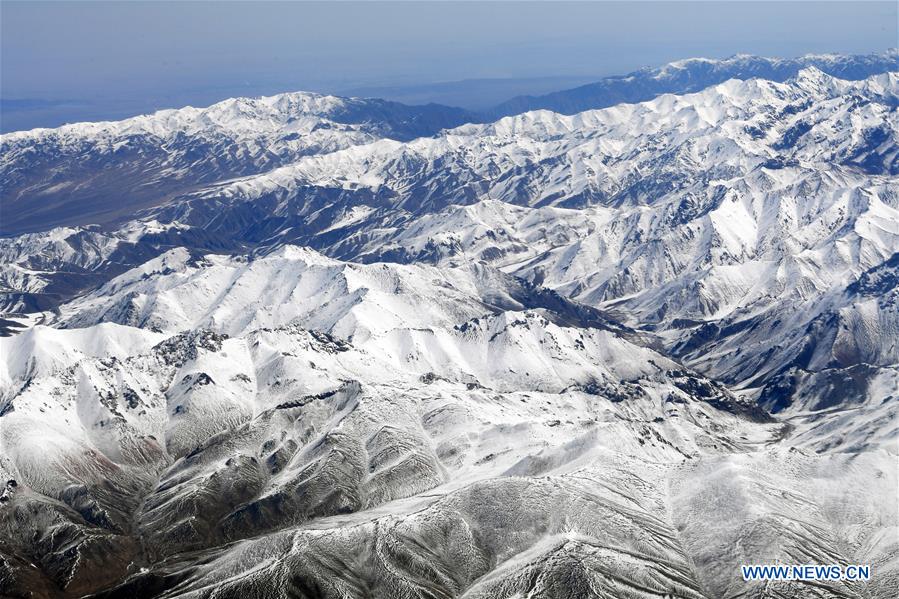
630,156
614,156
423,319
268,445
691,214
101,172
591,531
694,74
533,357
291,285
41,351
38,271
699,216
205,439
155,157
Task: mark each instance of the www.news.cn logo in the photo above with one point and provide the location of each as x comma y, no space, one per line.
806,572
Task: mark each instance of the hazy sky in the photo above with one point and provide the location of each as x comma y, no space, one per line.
100,58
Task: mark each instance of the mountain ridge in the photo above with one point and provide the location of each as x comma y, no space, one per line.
627,88
156,162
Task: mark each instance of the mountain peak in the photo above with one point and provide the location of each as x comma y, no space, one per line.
814,81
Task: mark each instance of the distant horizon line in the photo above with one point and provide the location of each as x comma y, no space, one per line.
124,108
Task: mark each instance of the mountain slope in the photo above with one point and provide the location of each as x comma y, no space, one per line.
205,439
726,209
102,172
692,75
698,216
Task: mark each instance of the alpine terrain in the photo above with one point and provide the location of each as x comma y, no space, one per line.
614,342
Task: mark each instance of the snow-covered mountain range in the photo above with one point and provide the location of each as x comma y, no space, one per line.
89,173
692,75
99,172
345,348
